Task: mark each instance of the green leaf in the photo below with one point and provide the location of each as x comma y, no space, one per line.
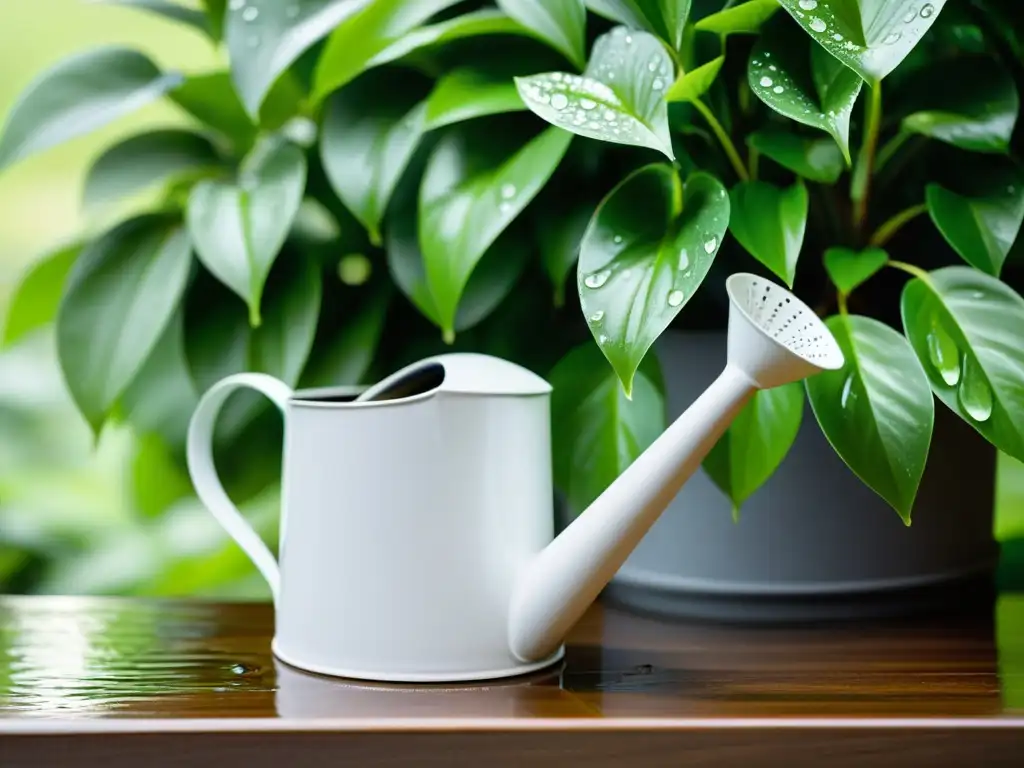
801,81
345,356
215,10
695,83
560,23
364,34
982,228
769,223
966,328
239,228
188,16
639,265
265,37
877,410
371,129
37,297
120,295
756,442
597,432
868,36
618,99
78,95
664,18
848,269
211,99
976,113
745,18
467,199
559,235
281,345
144,160
468,93
818,160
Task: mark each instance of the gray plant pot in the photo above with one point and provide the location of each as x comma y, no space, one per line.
814,542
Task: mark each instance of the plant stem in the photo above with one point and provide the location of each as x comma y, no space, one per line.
885,232
861,183
723,138
890,148
909,268
841,303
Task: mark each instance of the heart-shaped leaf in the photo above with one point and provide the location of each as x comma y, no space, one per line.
769,223
120,295
801,81
597,432
370,131
144,160
815,159
264,38
739,19
756,442
695,83
966,328
467,199
848,269
982,228
560,23
877,411
37,297
978,114
78,95
618,99
868,36
238,229
211,99
640,264
559,235
191,17
364,34
465,94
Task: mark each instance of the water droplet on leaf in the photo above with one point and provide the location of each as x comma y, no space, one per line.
505,207
684,259
658,84
236,5
778,89
808,5
892,37
559,101
837,37
818,25
911,14
766,82
597,279
974,393
250,14
602,339
709,246
845,395
597,317
927,11
508,191
587,103
675,298
772,67
943,353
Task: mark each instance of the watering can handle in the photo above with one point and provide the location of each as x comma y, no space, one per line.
204,474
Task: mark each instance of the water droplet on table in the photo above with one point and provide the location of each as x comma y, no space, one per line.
597,279
818,25
675,298
974,393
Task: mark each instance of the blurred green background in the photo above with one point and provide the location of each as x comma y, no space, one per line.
112,519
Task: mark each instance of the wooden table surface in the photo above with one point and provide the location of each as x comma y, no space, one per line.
94,681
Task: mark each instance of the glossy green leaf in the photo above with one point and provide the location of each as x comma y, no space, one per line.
695,83
801,81
281,345
739,19
966,328
639,265
560,23
467,200
977,113
265,37
78,95
618,99
664,18
818,160
371,128
216,11
191,17
981,229
559,235
877,411
597,432
868,36
756,442
848,269
465,94
120,295
37,297
211,99
366,33
345,357
145,160
238,228
769,222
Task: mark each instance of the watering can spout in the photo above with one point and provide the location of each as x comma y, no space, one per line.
774,339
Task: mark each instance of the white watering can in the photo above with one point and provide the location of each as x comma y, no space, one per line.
417,525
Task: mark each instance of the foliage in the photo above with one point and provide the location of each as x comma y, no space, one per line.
363,183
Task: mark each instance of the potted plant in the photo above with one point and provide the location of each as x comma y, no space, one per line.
370,181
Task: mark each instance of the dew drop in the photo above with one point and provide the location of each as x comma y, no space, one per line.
927,11
602,339
911,15
837,37
943,354
847,393
778,89
974,393
629,39
652,65
709,246
559,101
766,82
236,5
505,207
892,37
508,191
617,239
597,317
587,103
597,279
772,67
818,25
250,14
593,125
808,5
609,115
684,259
675,298
658,84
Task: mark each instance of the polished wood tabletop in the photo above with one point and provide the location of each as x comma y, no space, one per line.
97,680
